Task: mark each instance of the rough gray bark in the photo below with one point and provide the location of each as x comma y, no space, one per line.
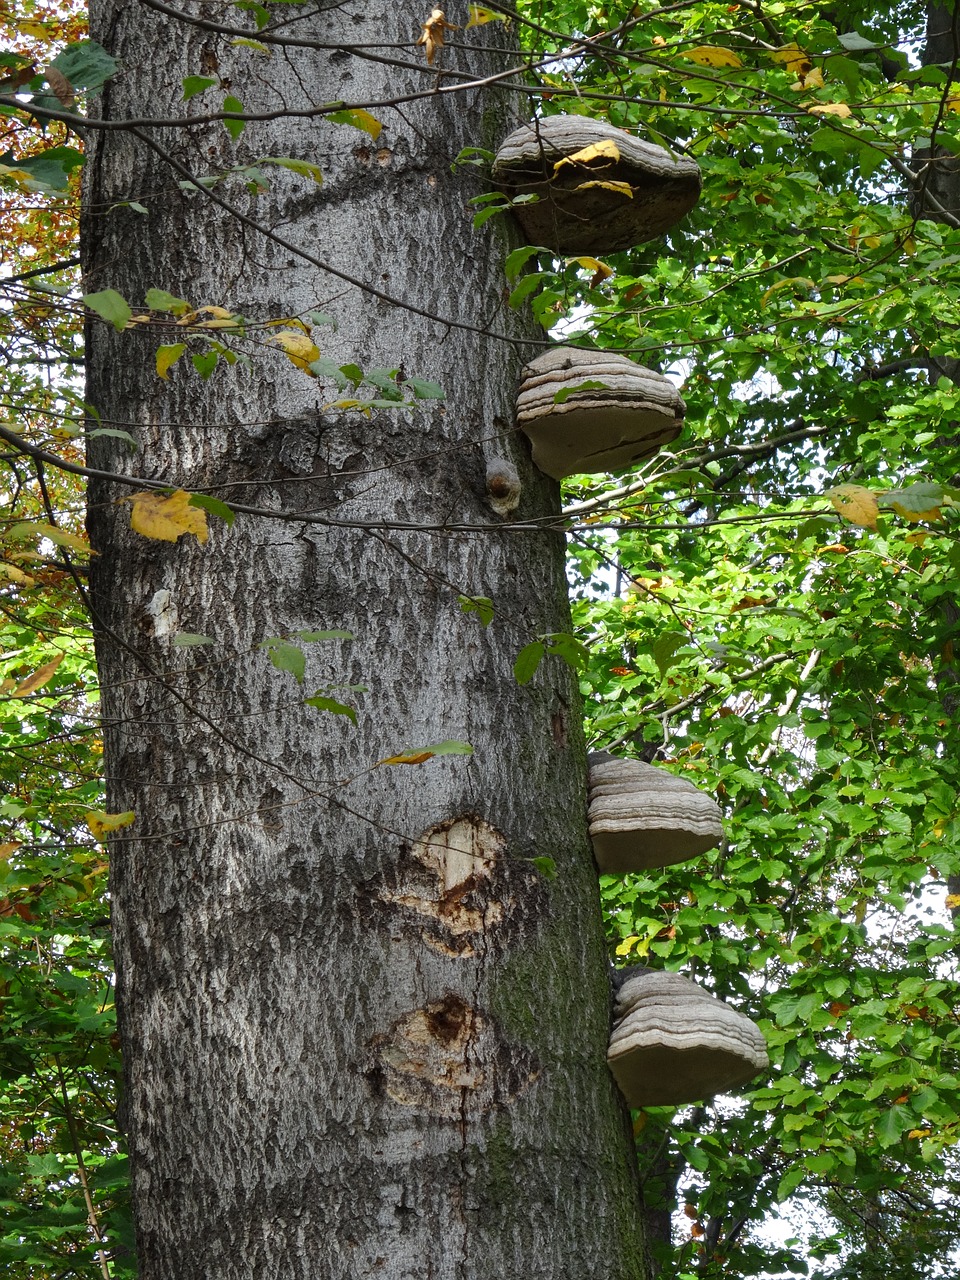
363,1035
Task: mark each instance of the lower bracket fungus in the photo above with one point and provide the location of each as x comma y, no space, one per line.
643,817
599,189
674,1043
594,411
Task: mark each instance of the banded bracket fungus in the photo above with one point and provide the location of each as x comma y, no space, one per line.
594,411
599,189
644,817
674,1043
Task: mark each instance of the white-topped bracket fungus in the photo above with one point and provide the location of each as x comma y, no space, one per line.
643,817
598,188
594,411
674,1043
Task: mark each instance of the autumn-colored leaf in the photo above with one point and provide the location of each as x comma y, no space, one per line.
750,602
166,517
298,347
621,188
837,1008
606,149
61,86
102,824
360,119
434,31
417,755
812,78
167,357
38,679
709,55
600,269
953,901
830,109
793,56
856,504
11,847
479,15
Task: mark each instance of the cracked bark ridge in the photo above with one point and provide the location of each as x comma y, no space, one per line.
675,1043
643,817
610,201
612,414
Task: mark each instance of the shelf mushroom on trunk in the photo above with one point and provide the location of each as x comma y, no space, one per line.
674,1043
599,189
641,816
594,411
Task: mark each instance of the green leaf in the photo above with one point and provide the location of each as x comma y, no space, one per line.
591,384
190,640
324,703
528,659
87,65
205,362
664,649
546,866
529,284
360,119
116,434
305,168
517,260
482,606
384,380
286,657
110,306
568,649
353,372
424,390
234,127
160,300
51,169
192,85
214,506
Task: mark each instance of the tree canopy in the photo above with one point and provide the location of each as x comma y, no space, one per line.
768,607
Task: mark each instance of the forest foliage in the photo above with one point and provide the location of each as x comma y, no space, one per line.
769,608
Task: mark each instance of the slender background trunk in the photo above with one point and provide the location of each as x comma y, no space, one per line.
364,1035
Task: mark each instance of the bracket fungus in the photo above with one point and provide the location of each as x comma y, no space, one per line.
593,411
675,1043
598,188
644,817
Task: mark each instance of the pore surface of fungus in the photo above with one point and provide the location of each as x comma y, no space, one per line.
611,413
674,1043
598,188
644,817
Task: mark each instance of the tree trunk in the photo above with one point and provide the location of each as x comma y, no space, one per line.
364,1034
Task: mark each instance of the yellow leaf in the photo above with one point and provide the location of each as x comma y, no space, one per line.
434,30
953,901
600,269
627,945
167,517
709,55
479,15
349,404
38,679
18,175
792,55
607,149
831,109
102,824
364,120
298,347
9,848
168,356
16,575
953,102
810,78
639,1124
856,504
33,29
621,188
919,1133
800,281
